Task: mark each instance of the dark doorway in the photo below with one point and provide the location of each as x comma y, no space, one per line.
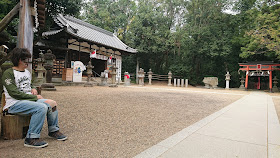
253,82
99,66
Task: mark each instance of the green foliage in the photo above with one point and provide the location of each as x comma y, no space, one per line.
193,38
264,37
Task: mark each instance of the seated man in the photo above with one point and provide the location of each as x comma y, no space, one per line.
22,99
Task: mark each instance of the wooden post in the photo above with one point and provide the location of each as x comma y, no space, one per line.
247,78
25,29
259,82
270,78
13,126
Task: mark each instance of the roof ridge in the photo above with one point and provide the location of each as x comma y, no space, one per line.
126,46
81,22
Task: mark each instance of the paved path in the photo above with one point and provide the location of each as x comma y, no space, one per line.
247,128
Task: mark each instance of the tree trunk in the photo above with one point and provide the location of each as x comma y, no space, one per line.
9,17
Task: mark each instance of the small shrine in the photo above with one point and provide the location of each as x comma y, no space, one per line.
259,69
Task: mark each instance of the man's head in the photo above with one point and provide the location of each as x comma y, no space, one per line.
20,56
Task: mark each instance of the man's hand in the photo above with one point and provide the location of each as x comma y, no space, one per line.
34,91
39,97
52,103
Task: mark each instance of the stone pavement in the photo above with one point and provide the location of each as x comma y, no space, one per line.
247,128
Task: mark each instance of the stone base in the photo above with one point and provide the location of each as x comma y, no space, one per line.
113,85
242,87
88,84
48,87
102,84
126,84
275,89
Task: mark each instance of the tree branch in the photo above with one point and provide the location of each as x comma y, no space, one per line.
9,17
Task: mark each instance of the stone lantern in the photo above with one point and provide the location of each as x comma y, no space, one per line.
114,74
150,76
49,57
275,81
3,51
3,56
242,81
169,78
227,80
89,74
40,69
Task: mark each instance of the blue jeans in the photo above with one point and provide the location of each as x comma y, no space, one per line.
38,111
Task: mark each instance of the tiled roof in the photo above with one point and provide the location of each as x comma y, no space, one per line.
88,32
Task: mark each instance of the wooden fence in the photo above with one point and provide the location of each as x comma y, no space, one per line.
154,77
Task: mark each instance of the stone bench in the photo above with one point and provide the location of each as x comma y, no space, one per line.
13,126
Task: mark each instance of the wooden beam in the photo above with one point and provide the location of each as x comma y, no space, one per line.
9,17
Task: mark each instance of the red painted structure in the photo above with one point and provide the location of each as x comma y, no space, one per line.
259,69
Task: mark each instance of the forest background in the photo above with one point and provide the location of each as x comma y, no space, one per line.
190,38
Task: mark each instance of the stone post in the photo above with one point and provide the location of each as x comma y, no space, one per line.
89,74
126,79
141,76
49,57
150,76
182,82
227,80
186,83
242,81
275,81
175,82
169,78
178,82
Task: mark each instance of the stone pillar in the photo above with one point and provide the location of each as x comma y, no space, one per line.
89,74
141,76
175,82
49,57
275,81
227,80
150,76
182,82
242,81
126,79
169,78
178,82
186,83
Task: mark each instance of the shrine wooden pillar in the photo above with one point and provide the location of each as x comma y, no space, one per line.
247,78
25,29
270,78
259,82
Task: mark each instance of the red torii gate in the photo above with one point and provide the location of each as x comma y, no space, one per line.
262,68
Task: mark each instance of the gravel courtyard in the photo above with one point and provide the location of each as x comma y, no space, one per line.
121,122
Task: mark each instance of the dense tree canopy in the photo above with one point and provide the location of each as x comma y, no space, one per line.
192,38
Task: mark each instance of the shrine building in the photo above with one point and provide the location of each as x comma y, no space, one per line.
71,39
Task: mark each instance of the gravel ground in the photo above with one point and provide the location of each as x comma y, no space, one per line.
123,121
